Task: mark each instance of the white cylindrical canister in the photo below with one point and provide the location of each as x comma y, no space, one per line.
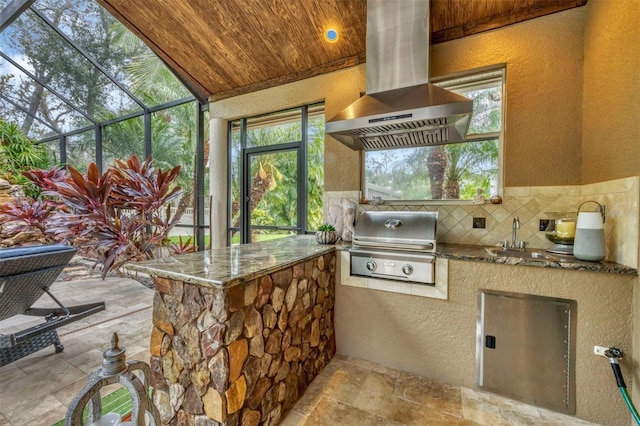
589,242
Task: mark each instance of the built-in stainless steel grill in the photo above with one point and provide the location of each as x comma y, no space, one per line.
395,245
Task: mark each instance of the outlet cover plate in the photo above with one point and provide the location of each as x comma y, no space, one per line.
479,222
599,350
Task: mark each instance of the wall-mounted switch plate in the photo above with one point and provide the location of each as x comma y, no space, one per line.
479,222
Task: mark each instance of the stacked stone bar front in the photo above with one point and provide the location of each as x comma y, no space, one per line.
241,355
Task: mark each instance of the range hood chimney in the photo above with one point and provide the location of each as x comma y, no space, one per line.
401,108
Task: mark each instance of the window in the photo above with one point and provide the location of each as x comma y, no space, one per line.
276,165
453,171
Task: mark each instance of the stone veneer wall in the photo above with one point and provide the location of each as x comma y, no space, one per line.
532,203
242,355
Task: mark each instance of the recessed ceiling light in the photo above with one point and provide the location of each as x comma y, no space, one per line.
331,35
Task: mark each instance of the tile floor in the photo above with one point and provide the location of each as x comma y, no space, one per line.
36,390
356,392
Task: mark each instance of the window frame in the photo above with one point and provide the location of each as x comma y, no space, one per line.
301,147
455,82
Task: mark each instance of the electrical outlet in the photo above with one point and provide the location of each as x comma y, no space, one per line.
479,222
599,350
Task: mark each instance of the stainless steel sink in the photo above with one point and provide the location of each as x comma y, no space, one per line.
526,254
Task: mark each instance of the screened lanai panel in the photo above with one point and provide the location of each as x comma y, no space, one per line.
315,166
53,61
20,90
81,150
273,129
121,53
122,139
173,141
11,114
235,168
53,148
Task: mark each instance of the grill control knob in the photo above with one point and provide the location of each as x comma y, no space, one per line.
371,265
407,269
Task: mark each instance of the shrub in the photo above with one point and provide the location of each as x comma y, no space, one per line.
18,154
120,216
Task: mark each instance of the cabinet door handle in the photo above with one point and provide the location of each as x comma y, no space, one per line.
490,342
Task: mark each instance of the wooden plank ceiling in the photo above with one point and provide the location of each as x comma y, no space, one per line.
224,48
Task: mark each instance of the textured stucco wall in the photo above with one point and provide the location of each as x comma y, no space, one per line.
436,338
544,60
635,375
338,90
635,360
611,128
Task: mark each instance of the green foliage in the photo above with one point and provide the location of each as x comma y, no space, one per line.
274,184
315,170
326,227
57,64
124,56
120,216
451,171
19,154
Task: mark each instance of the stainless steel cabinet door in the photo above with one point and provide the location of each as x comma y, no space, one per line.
525,348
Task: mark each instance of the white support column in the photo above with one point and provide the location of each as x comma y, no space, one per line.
218,148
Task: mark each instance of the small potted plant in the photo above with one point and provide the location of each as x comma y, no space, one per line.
326,234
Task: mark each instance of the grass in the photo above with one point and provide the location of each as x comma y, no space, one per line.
175,239
118,402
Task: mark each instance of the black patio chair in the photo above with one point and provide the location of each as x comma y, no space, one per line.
26,273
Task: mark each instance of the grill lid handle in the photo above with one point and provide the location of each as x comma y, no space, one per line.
393,223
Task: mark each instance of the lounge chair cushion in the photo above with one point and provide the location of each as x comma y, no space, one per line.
6,253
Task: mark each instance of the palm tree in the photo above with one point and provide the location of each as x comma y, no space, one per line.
436,164
274,176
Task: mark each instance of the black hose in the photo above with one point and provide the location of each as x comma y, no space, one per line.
618,374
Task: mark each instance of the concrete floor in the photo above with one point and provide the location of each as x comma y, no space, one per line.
36,390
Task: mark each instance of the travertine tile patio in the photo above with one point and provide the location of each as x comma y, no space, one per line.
36,390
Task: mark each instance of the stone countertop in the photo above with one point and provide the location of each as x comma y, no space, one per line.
478,253
229,266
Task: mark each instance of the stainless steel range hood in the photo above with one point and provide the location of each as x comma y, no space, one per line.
401,108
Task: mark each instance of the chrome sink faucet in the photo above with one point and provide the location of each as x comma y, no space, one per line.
514,244
514,230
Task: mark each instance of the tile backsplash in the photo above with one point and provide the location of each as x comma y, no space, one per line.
530,204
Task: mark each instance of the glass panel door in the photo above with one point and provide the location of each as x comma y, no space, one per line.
272,194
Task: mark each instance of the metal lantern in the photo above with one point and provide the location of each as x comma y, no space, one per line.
134,376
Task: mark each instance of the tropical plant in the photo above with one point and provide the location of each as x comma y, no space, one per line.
182,247
274,184
18,154
120,216
471,164
436,164
451,171
54,63
29,219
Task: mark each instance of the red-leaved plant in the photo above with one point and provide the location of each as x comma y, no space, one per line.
121,216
